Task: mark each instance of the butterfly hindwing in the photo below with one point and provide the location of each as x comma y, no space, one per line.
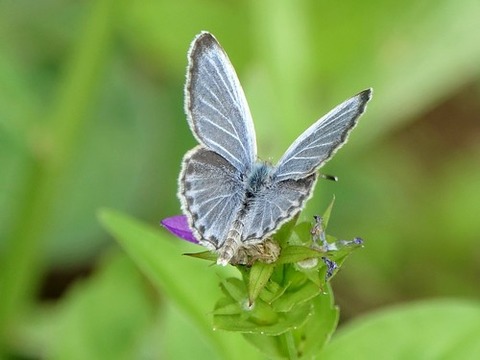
211,194
275,205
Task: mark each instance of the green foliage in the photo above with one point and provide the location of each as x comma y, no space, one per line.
106,318
285,299
189,284
446,329
91,116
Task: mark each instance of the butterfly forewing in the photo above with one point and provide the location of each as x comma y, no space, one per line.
319,142
216,107
211,194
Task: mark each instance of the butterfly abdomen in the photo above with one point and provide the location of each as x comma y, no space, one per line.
233,241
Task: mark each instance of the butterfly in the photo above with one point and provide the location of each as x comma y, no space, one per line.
233,201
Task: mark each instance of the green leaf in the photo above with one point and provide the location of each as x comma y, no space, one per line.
236,305
439,329
273,325
191,285
271,346
106,316
235,289
313,275
227,306
327,213
309,338
301,234
320,326
296,253
286,231
258,277
272,291
294,297
204,255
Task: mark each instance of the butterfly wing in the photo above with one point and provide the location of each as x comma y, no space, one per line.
211,194
321,140
294,177
215,104
275,205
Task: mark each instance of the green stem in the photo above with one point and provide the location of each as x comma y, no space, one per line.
290,343
22,261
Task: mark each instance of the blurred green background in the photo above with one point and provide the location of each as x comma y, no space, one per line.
91,116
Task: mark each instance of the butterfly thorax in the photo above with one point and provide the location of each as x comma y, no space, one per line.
259,178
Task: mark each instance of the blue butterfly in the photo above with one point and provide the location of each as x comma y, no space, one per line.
232,200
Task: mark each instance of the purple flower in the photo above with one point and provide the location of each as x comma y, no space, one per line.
178,226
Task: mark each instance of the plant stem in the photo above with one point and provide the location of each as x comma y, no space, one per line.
290,343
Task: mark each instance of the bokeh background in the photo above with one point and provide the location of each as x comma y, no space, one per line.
91,116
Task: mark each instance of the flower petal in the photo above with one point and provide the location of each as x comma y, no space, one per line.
178,226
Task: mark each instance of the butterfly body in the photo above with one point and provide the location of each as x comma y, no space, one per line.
234,202
259,179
